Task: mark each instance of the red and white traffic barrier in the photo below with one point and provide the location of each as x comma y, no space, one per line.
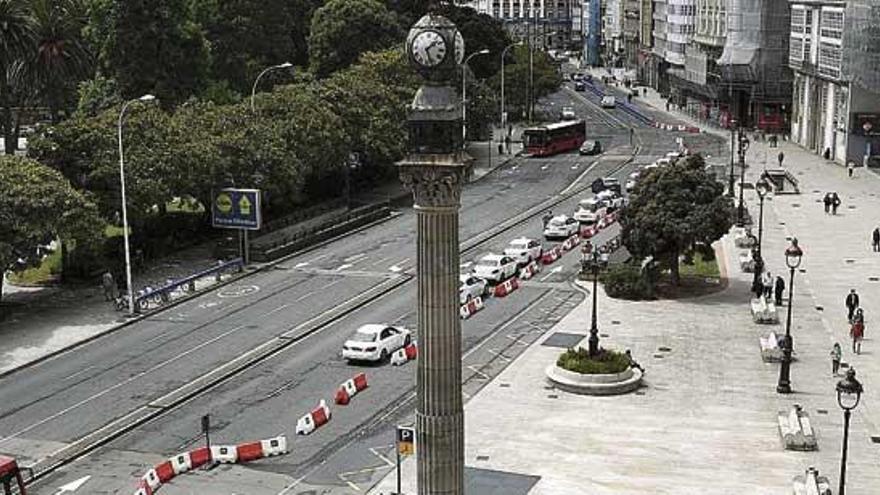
507,287
313,420
550,256
529,270
143,488
402,356
609,219
199,457
224,454
274,446
350,388
151,479
181,463
588,232
469,308
575,240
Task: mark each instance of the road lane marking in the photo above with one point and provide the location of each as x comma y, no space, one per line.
331,284
316,258
477,371
344,266
356,258
550,274
500,354
80,372
301,264
118,385
379,261
279,308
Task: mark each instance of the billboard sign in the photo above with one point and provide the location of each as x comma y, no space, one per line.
236,209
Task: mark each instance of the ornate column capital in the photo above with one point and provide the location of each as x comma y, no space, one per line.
433,185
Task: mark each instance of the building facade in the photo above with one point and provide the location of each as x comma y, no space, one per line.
657,64
836,99
631,32
646,41
550,20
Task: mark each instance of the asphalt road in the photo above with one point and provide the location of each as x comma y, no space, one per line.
47,407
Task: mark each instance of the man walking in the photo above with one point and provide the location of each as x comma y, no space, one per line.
781,157
546,218
875,240
780,288
835,203
109,286
850,168
767,282
827,201
852,302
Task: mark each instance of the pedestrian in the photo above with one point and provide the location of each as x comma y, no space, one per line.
875,239
781,157
827,201
500,148
835,203
835,358
827,154
850,168
546,218
852,303
780,288
632,362
507,143
767,282
857,332
667,105
109,286
631,135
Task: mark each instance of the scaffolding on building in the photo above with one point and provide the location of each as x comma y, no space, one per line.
861,58
755,55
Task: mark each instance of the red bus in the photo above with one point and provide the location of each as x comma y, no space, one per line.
555,138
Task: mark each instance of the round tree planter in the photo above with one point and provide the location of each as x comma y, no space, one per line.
611,384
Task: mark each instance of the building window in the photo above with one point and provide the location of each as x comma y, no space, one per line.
829,60
796,51
831,24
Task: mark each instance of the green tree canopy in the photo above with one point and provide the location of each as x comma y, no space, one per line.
547,78
151,46
343,29
672,209
480,32
37,205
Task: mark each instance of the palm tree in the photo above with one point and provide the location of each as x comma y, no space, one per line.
59,57
16,38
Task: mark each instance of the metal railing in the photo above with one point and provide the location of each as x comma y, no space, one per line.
154,297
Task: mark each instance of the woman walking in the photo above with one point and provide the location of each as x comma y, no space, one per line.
857,332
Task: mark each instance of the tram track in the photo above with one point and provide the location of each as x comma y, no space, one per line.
156,408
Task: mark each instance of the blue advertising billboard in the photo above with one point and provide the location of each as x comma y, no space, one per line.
236,209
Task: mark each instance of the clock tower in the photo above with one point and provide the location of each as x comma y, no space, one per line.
434,169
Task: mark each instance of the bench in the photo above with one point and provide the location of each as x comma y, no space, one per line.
796,431
810,483
771,352
764,311
746,262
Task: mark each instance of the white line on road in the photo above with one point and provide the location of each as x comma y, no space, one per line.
316,258
344,267
279,308
301,264
120,384
478,372
551,273
500,354
379,261
579,178
79,373
355,258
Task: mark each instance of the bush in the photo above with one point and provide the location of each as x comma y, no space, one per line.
605,363
625,281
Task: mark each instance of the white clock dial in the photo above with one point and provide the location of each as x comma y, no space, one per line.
428,48
459,47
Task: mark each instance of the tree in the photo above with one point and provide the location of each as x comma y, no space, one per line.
60,56
37,205
480,32
672,210
151,46
546,78
343,29
16,38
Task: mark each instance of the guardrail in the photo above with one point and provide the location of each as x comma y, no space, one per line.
165,294
626,107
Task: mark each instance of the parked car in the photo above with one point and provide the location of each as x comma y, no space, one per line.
568,113
561,227
470,287
524,250
580,86
374,342
611,199
495,267
590,210
608,101
611,183
591,148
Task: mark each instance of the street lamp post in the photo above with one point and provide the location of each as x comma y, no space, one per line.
503,55
732,153
761,188
594,326
743,146
285,65
793,257
849,391
143,99
464,68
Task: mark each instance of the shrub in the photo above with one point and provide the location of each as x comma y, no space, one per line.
606,362
626,281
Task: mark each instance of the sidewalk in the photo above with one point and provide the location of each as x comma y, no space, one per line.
40,321
706,421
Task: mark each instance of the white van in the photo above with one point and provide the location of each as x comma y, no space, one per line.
608,101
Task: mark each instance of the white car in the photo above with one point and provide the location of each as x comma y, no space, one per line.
495,267
568,113
612,200
630,185
674,155
561,227
590,210
375,342
470,287
608,101
663,162
524,250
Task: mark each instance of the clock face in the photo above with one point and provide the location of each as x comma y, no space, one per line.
459,47
428,48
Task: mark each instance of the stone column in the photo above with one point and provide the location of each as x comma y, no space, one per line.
436,187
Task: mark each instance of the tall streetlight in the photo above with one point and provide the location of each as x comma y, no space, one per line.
285,65
743,146
503,55
761,188
595,260
793,257
849,391
143,99
464,68
732,156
